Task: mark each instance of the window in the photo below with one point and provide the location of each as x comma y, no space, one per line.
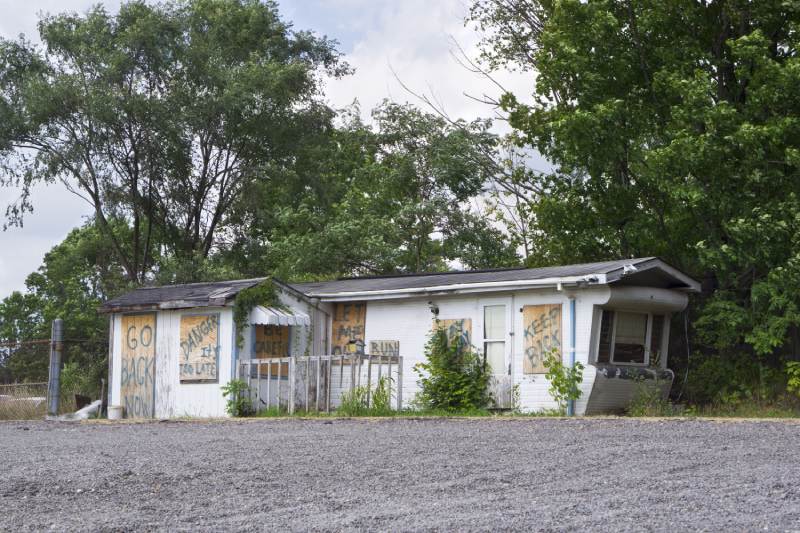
606,332
494,337
630,338
656,336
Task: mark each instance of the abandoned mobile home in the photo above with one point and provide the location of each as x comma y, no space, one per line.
173,348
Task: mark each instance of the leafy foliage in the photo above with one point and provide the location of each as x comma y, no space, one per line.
163,115
454,378
391,197
238,401
564,380
264,294
670,134
793,372
361,401
381,400
76,276
649,400
354,402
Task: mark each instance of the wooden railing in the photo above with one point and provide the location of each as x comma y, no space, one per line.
317,382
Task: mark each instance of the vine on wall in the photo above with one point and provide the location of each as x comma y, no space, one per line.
264,294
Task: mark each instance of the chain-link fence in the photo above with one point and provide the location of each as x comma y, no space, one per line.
24,373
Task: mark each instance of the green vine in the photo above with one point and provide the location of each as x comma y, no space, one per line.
264,294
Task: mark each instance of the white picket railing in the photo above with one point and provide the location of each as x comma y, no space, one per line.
317,382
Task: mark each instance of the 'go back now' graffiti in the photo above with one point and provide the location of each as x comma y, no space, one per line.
199,347
138,376
541,334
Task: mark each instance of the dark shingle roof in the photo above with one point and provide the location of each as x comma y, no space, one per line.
180,296
421,281
649,271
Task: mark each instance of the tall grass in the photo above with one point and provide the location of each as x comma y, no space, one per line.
28,401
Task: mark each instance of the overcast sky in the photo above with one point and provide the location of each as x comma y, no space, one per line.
412,39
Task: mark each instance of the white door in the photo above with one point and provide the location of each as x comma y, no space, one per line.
495,314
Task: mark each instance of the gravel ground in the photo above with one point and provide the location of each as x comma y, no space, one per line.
531,474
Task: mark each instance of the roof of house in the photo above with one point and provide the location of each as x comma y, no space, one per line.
443,279
208,294
645,271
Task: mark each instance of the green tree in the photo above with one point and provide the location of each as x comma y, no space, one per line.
162,116
76,276
673,130
397,196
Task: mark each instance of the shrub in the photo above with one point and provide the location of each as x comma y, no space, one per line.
238,394
732,377
793,377
564,380
454,378
648,400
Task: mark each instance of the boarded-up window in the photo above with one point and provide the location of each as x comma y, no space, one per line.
349,321
138,365
541,335
458,330
272,342
199,356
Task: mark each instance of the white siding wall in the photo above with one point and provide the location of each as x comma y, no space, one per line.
173,398
409,321
534,395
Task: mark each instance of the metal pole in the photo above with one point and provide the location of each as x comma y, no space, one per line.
292,371
258,385
316,382
53,382
369,378
399,387
269,381
572,329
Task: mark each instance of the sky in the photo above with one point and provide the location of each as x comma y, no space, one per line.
390,43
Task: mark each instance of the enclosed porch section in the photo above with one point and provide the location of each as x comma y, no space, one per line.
319,383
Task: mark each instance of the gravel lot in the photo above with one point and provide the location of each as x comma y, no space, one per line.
541,474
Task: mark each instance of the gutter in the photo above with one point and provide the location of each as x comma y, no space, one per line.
462,288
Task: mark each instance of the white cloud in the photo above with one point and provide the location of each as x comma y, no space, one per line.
413,43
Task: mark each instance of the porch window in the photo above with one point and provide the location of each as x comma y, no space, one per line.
494,337
656,336
630,338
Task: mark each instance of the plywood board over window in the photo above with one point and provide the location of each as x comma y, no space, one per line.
458,330
272,342
349,321
199,355
138,365
541,334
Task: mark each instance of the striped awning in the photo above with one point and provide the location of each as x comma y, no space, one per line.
278,317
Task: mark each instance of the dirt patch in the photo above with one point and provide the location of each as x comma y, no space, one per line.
540,474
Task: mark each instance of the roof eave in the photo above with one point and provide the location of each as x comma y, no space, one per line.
588,280
690,284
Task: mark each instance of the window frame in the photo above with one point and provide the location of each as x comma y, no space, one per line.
613,342
503,340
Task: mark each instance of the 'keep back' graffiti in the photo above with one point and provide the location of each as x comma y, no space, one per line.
541,334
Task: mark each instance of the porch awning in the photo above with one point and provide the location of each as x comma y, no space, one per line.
278,317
